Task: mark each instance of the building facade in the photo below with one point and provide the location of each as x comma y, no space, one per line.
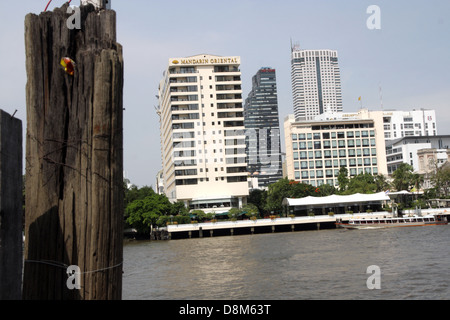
399,124
202,132
316,150
262,127
316,83
406,150
430,160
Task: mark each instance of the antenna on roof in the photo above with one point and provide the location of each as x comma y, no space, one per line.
381,96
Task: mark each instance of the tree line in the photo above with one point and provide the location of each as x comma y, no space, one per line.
145,208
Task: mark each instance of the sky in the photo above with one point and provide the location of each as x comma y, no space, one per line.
408,57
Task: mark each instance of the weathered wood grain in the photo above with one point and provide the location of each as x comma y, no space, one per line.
11,216
74,156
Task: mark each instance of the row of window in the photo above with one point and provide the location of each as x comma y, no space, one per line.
319,164
186,182
319,174
193,172
190,125
327,154
332,135
351,143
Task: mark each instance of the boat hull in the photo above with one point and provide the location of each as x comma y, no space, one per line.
391,223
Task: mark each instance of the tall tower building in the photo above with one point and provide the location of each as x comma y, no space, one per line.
202,133
263,128
316,82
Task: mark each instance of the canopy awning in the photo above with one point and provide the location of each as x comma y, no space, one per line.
336,199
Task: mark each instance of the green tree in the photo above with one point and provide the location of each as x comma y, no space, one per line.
417,181
326,190
362,183
403,177
381,182
250,210
343,179
258,198
144,213
284,188
134,192
198,214
179,208
441,180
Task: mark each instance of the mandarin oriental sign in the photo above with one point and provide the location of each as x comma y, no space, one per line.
205,60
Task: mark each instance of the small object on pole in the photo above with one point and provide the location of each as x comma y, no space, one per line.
68,65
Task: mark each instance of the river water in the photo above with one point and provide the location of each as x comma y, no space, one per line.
328,264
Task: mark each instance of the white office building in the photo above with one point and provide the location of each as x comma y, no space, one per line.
408,150
399,124
317,149
202,133
316,82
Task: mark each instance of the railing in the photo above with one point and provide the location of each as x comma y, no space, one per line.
271,222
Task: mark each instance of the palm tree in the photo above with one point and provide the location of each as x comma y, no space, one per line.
416,181
381,182
402,177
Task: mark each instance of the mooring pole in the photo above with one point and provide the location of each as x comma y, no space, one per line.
11,215
74,156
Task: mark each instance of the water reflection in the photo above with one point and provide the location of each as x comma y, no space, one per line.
328,264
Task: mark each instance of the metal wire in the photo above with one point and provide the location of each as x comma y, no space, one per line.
50,2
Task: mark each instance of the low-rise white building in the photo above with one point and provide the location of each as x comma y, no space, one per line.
398,124
316,150
405,150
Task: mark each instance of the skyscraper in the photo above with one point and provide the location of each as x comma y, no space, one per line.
263,128
202,133
316,82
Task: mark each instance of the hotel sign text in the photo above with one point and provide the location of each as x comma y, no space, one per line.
206,61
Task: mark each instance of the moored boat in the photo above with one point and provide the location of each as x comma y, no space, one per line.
377,223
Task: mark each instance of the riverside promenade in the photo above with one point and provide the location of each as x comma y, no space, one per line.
241,227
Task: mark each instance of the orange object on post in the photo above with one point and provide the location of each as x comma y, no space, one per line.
69,65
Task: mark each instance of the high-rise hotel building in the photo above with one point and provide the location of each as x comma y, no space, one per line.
316,83
202,132
263,128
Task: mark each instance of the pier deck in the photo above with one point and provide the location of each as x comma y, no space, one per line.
228,228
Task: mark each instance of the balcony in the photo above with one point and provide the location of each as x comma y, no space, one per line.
222,115
229,97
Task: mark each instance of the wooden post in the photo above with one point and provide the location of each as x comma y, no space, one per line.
74,156
11,216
